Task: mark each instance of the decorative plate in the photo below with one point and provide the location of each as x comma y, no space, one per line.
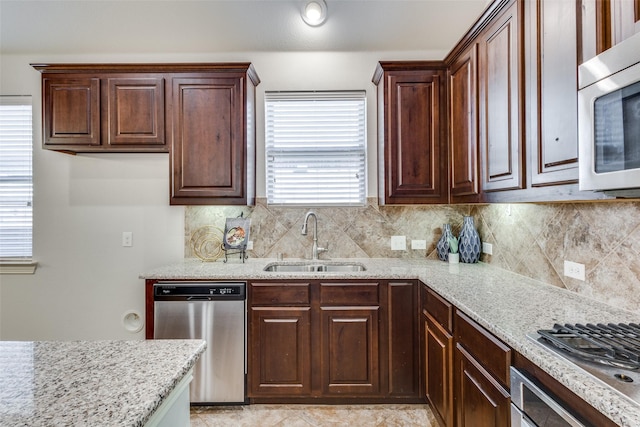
236,233
206,243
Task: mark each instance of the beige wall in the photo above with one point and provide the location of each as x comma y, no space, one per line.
85,279
529,239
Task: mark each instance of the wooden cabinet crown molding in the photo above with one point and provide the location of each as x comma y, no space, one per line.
405,66
493,9
195,67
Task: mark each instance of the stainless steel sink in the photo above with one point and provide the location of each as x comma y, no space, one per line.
315,267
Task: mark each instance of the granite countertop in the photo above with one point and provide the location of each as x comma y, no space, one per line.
90,383
507,304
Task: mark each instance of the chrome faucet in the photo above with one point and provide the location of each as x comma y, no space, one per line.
316,250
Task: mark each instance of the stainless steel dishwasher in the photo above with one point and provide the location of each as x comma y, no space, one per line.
215,312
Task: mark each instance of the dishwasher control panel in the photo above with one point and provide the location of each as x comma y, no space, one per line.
231,290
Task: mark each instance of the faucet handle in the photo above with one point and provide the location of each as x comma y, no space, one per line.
325,249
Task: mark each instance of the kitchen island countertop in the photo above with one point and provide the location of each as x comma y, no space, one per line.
507,304
90,383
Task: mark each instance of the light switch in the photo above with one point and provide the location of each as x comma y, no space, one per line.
127,239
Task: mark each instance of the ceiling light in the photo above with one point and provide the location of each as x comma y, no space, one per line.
314,12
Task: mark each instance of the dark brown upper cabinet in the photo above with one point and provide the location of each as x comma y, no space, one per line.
626,19
604,23
213,143
103,108
412,144
135,112
552,84
463,127
500,93
202,114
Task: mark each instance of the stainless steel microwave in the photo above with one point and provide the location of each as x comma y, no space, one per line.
609,120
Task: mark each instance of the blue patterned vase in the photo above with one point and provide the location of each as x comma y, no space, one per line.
442,247
469,241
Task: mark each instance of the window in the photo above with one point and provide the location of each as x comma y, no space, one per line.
16,185
315,148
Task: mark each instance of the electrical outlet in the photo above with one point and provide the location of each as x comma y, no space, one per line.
418,244
127,239
574,270
487,248
250,245
398,243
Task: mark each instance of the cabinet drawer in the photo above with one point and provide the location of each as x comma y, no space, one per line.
279,293
492,353
349,293
440,309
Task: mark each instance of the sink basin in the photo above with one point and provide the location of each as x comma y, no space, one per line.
316,267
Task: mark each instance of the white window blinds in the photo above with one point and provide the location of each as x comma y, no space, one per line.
16,185
315,148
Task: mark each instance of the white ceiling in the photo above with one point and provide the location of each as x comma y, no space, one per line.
180,26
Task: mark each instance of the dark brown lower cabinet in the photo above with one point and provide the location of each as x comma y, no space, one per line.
480,400
466,369
439,368
437,319
402,337
323,340
481,376
280,360
350,352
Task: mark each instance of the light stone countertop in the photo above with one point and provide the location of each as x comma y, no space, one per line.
507,304
90,383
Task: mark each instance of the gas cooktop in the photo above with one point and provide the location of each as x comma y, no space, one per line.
608,352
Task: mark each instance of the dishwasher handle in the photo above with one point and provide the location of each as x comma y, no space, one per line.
198,299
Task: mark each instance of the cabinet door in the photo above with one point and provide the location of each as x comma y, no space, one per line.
135,112
463,127
208,150
626,19
71,110
552,91
500,112
402,336
480,400
350,361
279,351
439,370
415,156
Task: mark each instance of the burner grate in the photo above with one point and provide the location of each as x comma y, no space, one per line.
613,344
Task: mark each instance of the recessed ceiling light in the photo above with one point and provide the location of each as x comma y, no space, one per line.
314,12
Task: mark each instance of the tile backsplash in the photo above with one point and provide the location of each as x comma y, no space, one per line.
529,239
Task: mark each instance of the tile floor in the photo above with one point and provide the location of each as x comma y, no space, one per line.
313,416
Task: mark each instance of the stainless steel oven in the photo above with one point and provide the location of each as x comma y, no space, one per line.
532,406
